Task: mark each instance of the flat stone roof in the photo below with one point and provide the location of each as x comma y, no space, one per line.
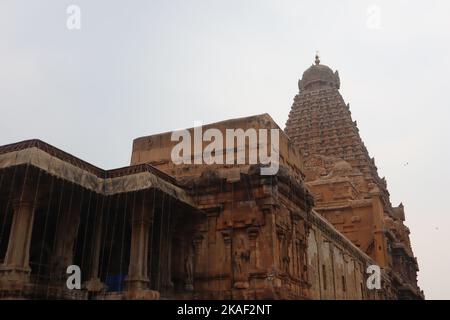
72,169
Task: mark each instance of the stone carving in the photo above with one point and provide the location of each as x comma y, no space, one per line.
284,251
189,270
241,258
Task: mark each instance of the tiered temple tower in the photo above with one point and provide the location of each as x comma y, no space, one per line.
344,179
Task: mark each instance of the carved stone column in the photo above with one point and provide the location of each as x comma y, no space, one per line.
137,280
228,256
16,269
66,234
94,284
137,270
188,267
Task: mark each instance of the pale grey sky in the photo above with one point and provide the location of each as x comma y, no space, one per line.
141,67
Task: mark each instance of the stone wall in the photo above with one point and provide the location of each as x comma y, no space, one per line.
260,237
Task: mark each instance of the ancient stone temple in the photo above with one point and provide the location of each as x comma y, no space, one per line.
344,179
202,230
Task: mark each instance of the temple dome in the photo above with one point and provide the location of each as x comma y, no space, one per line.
319,76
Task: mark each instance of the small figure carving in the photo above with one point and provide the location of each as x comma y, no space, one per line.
285,254
241,258
189,270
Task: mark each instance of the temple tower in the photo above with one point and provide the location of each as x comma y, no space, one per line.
344,179
320,122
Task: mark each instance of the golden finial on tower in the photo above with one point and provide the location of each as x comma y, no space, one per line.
317,61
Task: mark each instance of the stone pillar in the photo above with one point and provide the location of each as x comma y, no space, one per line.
137,271
228,256
94,284
137,280
198,258
188,267
16,269
66,234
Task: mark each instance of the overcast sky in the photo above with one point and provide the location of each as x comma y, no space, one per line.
141,67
